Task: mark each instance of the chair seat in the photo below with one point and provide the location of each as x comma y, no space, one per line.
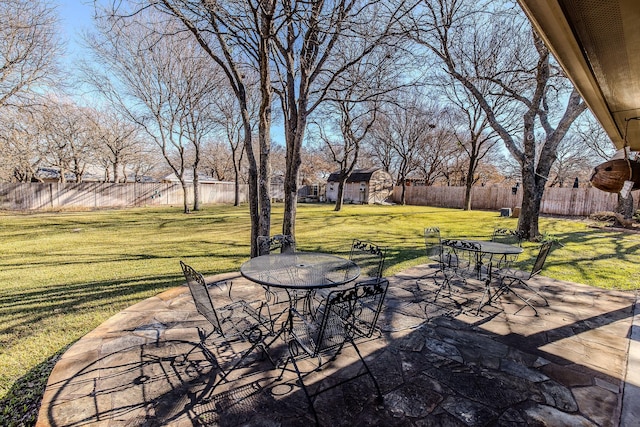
231,321
341,318
512,273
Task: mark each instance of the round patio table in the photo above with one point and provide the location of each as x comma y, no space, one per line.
300,270
484,247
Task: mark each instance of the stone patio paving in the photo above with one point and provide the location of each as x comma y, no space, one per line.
438,364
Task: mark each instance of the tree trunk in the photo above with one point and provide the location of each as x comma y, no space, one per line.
264,121
532,192
340,198
625,206
115,171
468,182
294,143
403,186
253,175
185,199
467,194
236,187
196,191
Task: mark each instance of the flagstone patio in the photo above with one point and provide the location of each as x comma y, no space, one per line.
577,363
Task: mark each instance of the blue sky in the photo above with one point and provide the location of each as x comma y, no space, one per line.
75,16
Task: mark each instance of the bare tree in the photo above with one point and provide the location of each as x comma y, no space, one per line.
357,94
237,37
574,163
163,84
355,120
316,44
230,125
406,128
69,143
593,136
117,142
20,144
316,164
29,46
468,38
473,133
436,153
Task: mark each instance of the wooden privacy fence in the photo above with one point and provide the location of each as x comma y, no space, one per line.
556,201
94,195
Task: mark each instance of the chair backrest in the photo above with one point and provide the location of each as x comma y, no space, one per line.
369,257
508,236
432,243
545,248
201,296
462,253
279,242
353,311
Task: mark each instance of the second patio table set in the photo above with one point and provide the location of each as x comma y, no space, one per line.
489,262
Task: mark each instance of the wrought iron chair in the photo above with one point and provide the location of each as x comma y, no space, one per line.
235,322
464,258
509,237
510,279
370,258
344,317
441,255
283,243
468,264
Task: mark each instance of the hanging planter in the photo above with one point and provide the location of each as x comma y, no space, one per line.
610,176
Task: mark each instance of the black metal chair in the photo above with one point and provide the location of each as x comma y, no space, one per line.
282,243
370,258
234,322
509,237
344,317
464,258
468,264
510,279
442,256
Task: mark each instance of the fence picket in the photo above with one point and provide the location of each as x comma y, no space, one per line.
555,201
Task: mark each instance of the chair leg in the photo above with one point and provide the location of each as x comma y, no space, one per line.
311,397
302,384
379,398
446,282
507,287
245,354
546,302
486,294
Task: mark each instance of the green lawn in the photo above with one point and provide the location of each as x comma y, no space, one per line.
62,274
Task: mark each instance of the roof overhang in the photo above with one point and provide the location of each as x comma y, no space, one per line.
597,43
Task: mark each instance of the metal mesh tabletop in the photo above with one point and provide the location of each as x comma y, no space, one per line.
300,270
485,247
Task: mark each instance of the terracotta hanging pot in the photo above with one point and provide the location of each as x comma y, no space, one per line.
610,176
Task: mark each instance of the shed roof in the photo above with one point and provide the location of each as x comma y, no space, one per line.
357,175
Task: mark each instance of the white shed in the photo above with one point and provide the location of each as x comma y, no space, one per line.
365,186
